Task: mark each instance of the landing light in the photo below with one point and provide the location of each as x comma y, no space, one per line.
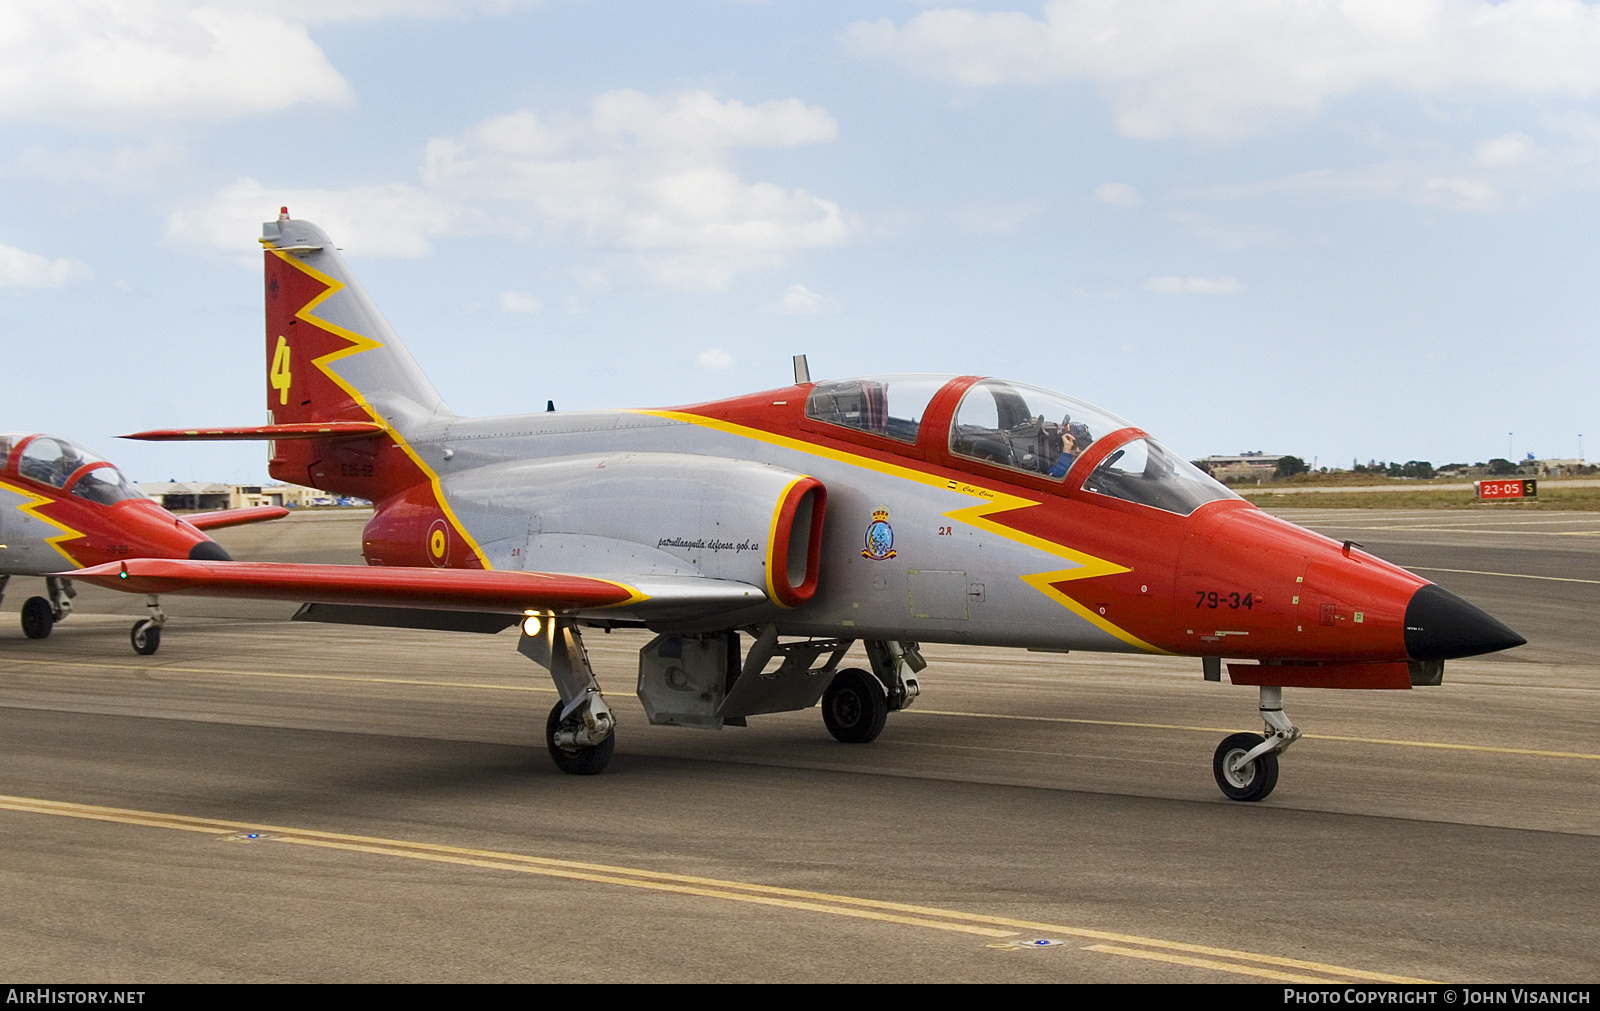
530,625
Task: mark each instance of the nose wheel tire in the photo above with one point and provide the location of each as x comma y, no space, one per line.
146,637
38,617
854,707
1251,782
580,761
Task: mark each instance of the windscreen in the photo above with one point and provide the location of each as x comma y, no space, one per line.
1026,428
1146,472
51,461
106,485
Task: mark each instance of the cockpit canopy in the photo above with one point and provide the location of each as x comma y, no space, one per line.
1021,428
62,463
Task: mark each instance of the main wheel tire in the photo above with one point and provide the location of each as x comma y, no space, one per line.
1254,781
588,761
38,617
854,707
146,637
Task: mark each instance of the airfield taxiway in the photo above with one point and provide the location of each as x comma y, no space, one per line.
272,801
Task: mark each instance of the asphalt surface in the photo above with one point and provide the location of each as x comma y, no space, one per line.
272,801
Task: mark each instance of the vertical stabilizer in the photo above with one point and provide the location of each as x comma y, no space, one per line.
331,356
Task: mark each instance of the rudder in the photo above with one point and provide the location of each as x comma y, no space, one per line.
331,356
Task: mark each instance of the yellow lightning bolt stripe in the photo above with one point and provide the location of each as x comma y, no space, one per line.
31,508
635,595
358,344
1087,566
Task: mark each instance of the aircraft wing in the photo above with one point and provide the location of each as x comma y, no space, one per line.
478,590
235,517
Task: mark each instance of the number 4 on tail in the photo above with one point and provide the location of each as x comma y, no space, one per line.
279,374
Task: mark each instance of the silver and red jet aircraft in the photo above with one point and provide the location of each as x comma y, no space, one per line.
58,501
761,537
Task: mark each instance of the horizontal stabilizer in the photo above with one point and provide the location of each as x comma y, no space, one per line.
235,517
246,433
490,590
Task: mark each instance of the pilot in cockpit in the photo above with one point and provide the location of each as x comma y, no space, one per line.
1074,440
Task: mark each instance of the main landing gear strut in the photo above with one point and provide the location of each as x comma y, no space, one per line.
1246,765
39,615
856,703
580,731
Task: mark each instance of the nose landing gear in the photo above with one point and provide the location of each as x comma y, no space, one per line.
146,633
1246,765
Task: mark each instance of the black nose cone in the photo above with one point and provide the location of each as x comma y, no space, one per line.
211,551
1442,626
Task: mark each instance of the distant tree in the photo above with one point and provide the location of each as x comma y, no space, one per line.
1500,466
1412,468
1289,466
1202,465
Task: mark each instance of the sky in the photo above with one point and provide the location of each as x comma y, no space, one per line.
1342,229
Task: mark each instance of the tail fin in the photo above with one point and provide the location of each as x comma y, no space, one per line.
332,357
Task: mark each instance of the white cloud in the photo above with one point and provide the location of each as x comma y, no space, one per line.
1460,191
1498,173
1224,235
106,60
1118,195
798,300
516,301
123,169
371,10
648,176
392,219
714,358
20,269
1174,285
648,181
997,219
103,61
1222,68
1508,149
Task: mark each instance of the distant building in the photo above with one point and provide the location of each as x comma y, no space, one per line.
189,495
1244,467
208,495
1556,468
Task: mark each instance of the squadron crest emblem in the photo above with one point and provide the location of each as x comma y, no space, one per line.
880,537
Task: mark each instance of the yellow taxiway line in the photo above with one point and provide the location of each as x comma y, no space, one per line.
900,913
1203,963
